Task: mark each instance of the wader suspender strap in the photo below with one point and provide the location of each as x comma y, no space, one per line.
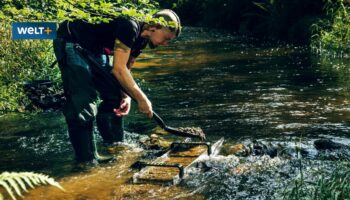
71,36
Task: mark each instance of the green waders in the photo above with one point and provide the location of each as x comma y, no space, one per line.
109,125
80,110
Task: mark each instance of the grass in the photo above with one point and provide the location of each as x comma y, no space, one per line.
326,185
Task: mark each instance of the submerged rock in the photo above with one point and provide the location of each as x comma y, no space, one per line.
155,142
237,150
159,131
258,148
255,148
327,144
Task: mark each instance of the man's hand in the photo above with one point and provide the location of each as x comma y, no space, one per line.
124,107
145,106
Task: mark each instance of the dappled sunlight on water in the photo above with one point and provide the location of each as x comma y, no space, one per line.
109,181
230,86
241,83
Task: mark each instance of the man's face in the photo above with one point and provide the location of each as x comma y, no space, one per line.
161,37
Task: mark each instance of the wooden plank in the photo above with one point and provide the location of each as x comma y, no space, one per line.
180,155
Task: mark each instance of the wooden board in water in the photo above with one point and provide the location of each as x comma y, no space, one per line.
184,157
170,175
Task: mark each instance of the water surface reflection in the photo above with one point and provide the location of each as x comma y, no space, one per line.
230,86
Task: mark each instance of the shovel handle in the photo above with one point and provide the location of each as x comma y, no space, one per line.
159,120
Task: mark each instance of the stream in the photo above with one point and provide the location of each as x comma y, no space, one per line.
235,87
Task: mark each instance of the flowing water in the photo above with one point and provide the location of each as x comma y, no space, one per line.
233,87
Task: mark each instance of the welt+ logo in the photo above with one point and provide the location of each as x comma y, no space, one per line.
34,30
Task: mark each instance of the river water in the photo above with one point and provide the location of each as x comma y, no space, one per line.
234,87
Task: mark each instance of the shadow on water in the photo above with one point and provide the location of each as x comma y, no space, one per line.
235,87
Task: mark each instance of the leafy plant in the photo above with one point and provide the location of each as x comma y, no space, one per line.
332,34
95,11
15,183
20,61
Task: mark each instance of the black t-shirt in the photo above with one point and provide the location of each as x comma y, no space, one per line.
97,37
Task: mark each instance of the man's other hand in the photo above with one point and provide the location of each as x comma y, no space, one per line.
124,107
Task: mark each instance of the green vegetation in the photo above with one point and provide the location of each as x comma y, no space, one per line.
332,34
93,11
333,186
287,20
14,183
326,183
30,59
20,61
321,23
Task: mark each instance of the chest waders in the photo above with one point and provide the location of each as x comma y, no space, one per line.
80,110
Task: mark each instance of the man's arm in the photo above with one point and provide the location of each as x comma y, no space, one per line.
123,75
131,62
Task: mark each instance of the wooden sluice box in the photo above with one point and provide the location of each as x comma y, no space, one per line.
172,167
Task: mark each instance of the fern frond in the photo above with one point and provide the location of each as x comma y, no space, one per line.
14,182
15,186
8,189
27,180
41,178
21,183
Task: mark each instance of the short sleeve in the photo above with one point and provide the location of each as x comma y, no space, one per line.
138,47
127,32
